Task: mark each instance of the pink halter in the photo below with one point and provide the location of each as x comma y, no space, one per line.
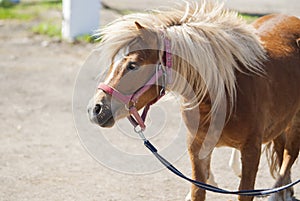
135,118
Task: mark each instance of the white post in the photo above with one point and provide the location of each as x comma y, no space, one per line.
79,17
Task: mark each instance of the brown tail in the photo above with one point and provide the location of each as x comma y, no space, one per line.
272,158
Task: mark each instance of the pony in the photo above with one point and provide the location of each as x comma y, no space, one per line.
239,83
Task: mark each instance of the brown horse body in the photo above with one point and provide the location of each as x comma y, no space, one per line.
266,107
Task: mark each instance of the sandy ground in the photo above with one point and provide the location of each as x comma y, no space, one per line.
41,156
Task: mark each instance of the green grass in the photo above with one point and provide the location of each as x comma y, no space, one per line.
10,13
27,10
87,38
249,18
47,28
35,11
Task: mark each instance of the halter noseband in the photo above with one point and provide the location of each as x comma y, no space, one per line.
135,118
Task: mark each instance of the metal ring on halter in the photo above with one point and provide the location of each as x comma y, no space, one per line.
163,79
162,91
139,131
127,106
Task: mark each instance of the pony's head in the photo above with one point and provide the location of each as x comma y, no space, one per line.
135,78
208,45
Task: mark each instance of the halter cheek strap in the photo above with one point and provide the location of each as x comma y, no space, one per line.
135,118
168,59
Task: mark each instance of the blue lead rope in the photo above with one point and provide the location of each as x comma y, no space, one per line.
204,186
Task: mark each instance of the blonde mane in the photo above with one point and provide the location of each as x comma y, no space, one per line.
208,45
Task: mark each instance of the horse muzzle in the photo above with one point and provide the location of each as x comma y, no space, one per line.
100,114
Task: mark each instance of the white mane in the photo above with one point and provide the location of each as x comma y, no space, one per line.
208,44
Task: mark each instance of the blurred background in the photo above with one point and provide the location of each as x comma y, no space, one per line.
41,157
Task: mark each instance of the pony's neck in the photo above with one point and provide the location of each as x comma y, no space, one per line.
182,83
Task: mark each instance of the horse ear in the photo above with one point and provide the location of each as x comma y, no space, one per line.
146,34
138,26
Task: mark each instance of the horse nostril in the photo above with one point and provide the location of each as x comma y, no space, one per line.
97,109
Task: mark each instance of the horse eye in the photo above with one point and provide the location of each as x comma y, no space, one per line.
132,66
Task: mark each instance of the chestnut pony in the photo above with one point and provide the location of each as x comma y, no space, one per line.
251,72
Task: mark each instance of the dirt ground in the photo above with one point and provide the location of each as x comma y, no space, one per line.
41,156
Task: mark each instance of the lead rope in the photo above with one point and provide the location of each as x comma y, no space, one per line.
204,186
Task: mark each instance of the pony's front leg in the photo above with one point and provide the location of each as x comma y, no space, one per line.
210,181
200,170
250,156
